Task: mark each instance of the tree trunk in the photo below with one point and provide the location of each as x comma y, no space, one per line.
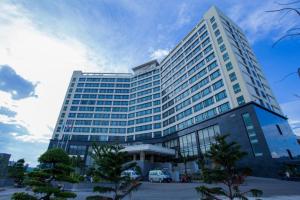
116,192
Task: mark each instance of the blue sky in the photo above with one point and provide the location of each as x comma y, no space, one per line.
42,42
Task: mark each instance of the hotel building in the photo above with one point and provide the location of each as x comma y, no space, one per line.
211,83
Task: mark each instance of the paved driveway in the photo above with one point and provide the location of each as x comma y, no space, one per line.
273,190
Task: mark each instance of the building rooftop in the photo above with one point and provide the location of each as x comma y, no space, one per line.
145,66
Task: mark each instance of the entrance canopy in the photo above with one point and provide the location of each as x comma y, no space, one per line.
149,148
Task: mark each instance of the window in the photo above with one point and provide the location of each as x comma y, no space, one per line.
156,110
214,26
212,20
157,102
206,91
196,97
225,57
221,95
208,102
215,75
99,130
256,91
144,112
103,109
143,128
240,100
201,29
207,137
217,84
184,114
236,88
210,57
101,115
81,129
217,33
188,145
183,104
101,122
229,66
198,76
83,122
198,107
117,130
212,65
77,150
220,40
143,120
84,115
58,129
200,84
206,42
144,105
232,77
252,135
224,107
157,125
222,48
155,96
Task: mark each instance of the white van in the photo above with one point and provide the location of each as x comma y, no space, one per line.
159,176
131,174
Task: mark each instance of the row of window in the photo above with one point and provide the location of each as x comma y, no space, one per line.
99,109
186,52
145,98
94,90
96,85
95,122
210,67
99,102
122,80
196,97
95,96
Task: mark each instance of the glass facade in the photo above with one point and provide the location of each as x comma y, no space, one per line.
207,137
278,134
190,145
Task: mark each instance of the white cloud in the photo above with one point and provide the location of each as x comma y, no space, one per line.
183,17
43,59
258,23
292,110
159,54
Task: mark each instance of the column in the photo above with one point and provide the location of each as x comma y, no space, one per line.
152,158
142,156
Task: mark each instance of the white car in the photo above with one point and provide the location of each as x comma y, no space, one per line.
159,176
131,174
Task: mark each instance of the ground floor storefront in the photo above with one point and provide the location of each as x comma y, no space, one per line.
264,135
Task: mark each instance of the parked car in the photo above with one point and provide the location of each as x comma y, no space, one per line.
133,175
159,176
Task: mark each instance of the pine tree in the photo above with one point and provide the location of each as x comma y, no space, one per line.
17,172
110,162
223,157
55,166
